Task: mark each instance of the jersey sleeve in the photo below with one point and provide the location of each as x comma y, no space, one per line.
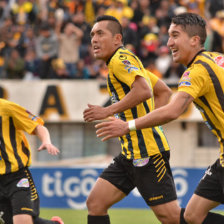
126,68
153,78
194,82
23,119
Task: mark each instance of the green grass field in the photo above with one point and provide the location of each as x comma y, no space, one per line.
117,216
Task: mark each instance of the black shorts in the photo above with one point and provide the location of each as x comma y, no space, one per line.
211,186
152,177
18,195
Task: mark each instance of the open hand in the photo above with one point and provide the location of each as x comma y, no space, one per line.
51,149
94,112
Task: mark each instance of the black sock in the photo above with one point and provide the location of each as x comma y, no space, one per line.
38,220
182,220
105,219
212,218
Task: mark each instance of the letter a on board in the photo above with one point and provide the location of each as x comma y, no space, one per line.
53,103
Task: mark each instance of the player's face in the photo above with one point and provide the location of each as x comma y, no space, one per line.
180,45
102,40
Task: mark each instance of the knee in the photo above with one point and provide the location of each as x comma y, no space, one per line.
95,207
90,204
168,218
190,217
22,218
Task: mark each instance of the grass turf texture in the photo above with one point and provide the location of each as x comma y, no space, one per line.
117,216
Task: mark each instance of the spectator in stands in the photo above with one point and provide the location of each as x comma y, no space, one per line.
214,6
174,72
47,50
82,71
17,40
29,39
119,9
15,65
23,11
164,59
129,35
4,10
151,66
31,65
145,17
163,35
79,20
149,46
7,30
69,43
163,14
59,70
148,25
217,26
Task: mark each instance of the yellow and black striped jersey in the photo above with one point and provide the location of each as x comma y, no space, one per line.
204,81
15,151
123,67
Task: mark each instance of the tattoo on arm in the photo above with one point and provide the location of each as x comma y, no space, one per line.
186,102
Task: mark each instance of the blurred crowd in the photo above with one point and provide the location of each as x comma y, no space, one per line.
50,39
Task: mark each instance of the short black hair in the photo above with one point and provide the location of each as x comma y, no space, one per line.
193,24
114,25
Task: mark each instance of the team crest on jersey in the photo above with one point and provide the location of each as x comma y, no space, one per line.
186,74
128,66
185,79
219,60
122,57
184,83
23,183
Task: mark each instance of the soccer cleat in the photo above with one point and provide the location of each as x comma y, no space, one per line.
57,219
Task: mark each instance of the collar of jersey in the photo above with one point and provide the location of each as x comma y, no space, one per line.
108,61
199,52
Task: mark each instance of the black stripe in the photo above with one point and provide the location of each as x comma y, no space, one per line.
141,141
158,140
205,55
215,81
204,100
12,132
122,116
146,106
26,151
209,121
3,150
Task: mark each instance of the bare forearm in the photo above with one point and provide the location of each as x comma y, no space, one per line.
129,101
166,113
154,118
43,134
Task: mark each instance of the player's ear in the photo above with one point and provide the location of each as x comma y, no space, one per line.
118,38
195,40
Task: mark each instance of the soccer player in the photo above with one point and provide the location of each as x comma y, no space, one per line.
144,160
19,200
203,84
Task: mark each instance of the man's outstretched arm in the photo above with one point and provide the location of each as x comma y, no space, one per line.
116,127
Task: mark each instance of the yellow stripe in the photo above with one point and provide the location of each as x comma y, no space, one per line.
27,209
